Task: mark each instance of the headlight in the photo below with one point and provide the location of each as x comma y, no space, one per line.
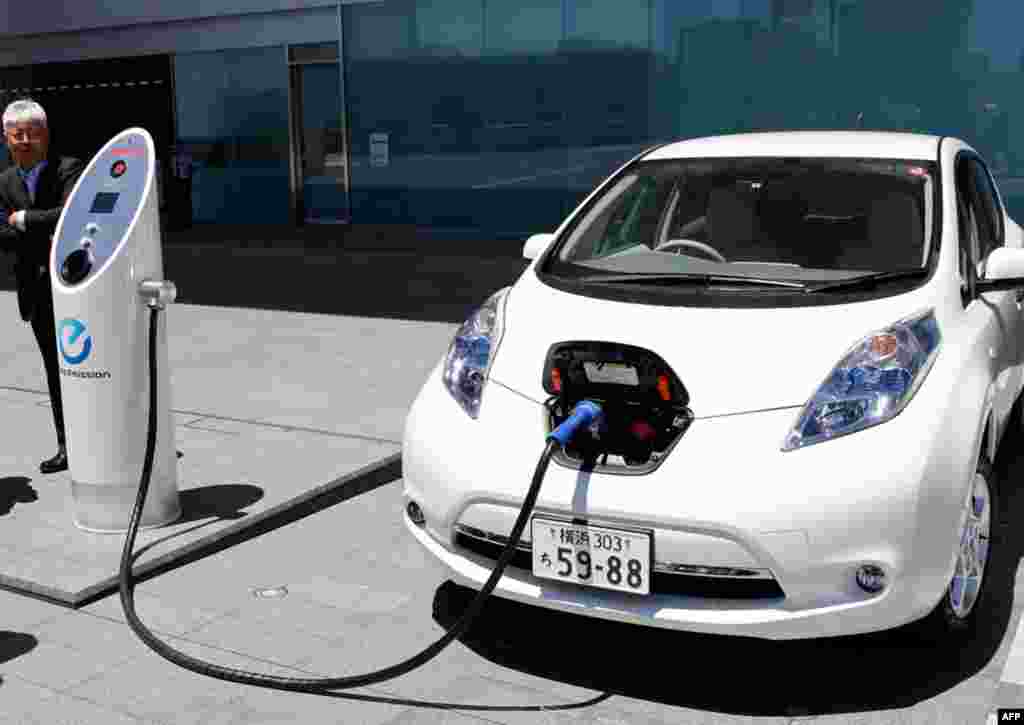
871,384
472,351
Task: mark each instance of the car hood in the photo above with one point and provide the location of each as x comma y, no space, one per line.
730,360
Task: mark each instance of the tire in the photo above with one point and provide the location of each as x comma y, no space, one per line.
1015,425
956,614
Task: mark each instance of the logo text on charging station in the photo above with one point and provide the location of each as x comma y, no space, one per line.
75,347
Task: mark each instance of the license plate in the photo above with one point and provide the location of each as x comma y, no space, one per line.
593,556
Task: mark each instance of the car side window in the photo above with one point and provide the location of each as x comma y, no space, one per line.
635,220
969,249
989,212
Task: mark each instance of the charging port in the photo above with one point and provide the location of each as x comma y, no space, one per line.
644,402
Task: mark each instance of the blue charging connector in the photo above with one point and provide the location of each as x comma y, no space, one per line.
585,414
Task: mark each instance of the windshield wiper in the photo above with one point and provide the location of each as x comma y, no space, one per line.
696,279
867,281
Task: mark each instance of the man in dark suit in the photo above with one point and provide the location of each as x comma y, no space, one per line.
32,195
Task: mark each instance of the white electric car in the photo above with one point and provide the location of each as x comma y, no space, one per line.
807,348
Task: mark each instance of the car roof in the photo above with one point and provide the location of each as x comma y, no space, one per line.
841,144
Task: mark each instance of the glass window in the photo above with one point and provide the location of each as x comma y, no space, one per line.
522,26
379,30
991,215
761,9
232,121
813,214
967,227
499,121
630,212
450,27
610,23
980,215
199,81
794,8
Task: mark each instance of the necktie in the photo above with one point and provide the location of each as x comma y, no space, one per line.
28,186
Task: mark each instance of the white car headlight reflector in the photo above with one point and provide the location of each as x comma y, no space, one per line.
871,384
472,351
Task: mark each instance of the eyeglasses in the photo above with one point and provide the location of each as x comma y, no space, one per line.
28,134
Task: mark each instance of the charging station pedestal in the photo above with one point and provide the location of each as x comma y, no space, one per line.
106,244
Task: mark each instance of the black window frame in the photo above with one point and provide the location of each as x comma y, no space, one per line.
969,171
991,201
966,258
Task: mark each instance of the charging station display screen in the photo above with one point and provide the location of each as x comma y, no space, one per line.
103,203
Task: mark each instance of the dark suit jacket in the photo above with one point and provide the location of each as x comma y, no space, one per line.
31,248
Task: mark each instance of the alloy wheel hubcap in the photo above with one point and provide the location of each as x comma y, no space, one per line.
973,552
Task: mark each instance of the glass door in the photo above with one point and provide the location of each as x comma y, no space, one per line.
319,138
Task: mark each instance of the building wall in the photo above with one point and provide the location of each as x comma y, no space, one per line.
188,36
500,114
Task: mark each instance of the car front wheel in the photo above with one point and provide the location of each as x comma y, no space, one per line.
956,612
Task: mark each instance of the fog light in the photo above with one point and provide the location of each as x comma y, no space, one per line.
870,578
415,513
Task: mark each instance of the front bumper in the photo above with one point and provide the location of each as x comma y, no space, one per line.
726,496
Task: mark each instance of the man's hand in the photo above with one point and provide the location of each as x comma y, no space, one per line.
16,219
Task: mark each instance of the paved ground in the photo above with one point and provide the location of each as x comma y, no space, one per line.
356,593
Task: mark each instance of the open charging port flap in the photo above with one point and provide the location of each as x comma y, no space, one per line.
645,404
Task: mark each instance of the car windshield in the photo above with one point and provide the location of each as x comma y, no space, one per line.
798,219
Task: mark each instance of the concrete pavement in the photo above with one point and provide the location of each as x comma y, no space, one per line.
272,405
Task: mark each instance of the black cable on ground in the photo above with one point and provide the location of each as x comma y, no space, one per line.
295,684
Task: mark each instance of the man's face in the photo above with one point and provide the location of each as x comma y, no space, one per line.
28,143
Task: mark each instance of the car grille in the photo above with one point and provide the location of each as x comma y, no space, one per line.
668,578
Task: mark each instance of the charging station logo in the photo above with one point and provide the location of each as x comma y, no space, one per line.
72,330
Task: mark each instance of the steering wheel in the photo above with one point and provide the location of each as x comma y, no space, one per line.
693,244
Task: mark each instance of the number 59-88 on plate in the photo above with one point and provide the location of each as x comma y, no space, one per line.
594,556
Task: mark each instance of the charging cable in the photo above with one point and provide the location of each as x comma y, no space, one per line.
158,294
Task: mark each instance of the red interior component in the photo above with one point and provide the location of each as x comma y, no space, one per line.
642,430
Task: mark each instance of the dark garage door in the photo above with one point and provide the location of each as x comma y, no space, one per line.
88,102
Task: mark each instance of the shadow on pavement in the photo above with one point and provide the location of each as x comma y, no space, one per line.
15,490
207,504
15,644
746,676
224,501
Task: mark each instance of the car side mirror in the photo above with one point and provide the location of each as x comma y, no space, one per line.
1004,269
536,245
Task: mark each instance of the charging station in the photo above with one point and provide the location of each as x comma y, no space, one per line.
107,248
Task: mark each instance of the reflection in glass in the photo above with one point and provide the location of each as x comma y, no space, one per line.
609,24
379,30
501,114
322,143
232,121
450,27
523,26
